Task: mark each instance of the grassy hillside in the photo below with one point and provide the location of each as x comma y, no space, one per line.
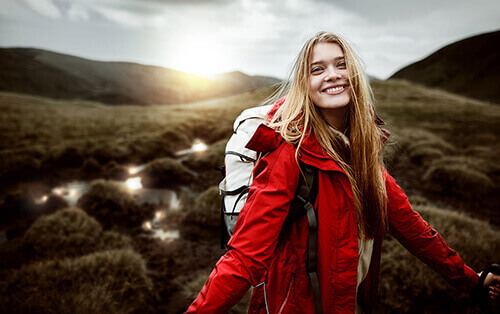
43,138
60,76
469,67
444,146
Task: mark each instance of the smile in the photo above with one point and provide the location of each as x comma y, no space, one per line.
335,90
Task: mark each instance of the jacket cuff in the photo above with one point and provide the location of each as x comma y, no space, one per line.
473,277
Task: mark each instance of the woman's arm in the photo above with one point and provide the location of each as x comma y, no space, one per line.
256,233
421,240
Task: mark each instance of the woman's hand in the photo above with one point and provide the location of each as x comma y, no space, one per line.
493,283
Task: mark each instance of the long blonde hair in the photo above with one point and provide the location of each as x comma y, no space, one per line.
362,162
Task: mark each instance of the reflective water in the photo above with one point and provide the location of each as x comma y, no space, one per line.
72,191
161,198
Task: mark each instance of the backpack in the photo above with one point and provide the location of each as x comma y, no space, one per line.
239,162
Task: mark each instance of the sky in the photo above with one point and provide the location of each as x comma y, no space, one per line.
253,36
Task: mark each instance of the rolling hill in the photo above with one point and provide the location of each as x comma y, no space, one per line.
60,76
469,67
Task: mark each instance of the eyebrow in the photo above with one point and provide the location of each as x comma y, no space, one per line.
321,61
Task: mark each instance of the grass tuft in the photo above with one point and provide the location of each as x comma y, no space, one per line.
66,233
165,172
205,210
462,180
102,282
112,205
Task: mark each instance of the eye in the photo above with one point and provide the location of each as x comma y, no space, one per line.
316,70
342,65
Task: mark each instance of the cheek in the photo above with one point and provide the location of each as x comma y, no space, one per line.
314,84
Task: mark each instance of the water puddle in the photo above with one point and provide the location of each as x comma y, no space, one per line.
160,198
156,228
198,146
72,191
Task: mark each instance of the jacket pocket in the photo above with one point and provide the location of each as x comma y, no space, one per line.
289,293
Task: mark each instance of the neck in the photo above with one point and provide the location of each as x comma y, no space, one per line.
336,118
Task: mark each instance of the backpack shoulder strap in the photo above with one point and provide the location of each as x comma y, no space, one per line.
303,204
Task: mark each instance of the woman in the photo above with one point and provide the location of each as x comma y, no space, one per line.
326,121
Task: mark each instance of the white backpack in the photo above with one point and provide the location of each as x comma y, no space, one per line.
239,163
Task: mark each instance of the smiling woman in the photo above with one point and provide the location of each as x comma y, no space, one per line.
327,260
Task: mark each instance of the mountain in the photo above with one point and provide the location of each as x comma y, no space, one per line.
469,67
61,76
243,80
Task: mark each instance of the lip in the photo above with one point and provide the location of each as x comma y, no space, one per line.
337,92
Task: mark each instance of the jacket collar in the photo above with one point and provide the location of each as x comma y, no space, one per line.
266,139
312,153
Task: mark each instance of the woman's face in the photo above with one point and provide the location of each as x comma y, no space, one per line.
328,83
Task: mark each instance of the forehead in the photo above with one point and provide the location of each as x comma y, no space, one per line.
324,52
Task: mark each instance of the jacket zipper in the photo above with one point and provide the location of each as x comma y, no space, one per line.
282,307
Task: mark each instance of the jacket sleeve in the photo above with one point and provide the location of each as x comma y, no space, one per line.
421,240
253,243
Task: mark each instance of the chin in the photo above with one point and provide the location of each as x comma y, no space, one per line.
334,104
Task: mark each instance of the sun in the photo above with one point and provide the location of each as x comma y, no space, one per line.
199,56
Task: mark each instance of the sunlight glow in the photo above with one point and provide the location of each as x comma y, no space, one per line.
167,236
134,183
147,226
159,215
42,199
199,146
200,55
175,202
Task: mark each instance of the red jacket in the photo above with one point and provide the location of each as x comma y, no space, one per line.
274,263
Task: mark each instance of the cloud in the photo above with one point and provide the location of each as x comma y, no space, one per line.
191,2
44,7
257,36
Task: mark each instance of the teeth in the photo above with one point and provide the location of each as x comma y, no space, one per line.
334,89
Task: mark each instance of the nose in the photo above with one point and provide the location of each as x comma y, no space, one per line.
332,75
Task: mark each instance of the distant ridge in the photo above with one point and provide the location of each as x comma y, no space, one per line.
469,67
60,76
